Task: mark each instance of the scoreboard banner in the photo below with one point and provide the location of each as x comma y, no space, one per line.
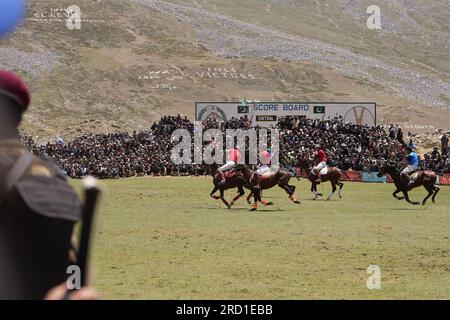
266,114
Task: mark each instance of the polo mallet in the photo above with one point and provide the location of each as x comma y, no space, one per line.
92,193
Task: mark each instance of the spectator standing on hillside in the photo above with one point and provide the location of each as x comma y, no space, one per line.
444,143
392,131
400,136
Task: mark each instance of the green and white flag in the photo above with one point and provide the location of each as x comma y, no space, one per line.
244,102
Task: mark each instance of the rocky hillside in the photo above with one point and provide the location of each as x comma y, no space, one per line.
135,60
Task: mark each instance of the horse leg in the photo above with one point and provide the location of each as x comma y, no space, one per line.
290,191
430,190
395,195
264,202
318,193
239,195
333,185
292,188
223,198
214,191
256,198
249,197
341,185
292,194
405,193
436,190
314,190
258,194
236,198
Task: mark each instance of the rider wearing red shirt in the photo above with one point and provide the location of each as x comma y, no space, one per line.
321,156
321,162
234,155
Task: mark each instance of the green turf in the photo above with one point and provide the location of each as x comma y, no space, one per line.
164,238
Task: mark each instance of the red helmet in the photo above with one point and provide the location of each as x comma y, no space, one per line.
12,86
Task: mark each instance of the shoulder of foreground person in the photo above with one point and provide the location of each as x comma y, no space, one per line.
39,182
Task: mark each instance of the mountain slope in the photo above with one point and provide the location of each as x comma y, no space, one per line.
133,61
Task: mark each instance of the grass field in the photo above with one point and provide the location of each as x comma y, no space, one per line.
164,238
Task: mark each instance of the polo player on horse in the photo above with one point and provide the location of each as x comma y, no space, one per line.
265,159
234,155
321,161
413,165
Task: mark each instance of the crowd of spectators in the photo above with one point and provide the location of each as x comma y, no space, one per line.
348,146
148,152
437,161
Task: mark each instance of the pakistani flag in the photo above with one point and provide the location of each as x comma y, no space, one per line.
244,102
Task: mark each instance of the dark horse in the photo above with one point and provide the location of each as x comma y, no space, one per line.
232,181
334,175
255,181
427,179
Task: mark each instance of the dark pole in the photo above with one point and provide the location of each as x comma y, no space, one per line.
92,193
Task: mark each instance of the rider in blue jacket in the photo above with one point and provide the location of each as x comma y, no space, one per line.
413,162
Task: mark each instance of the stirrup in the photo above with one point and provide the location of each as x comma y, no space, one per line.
317,178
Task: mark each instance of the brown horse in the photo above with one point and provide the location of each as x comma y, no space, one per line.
233,181
254,180
427,179
334,175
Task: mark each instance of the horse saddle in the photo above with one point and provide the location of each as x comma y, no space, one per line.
229,174
324,171
267,175
414,175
